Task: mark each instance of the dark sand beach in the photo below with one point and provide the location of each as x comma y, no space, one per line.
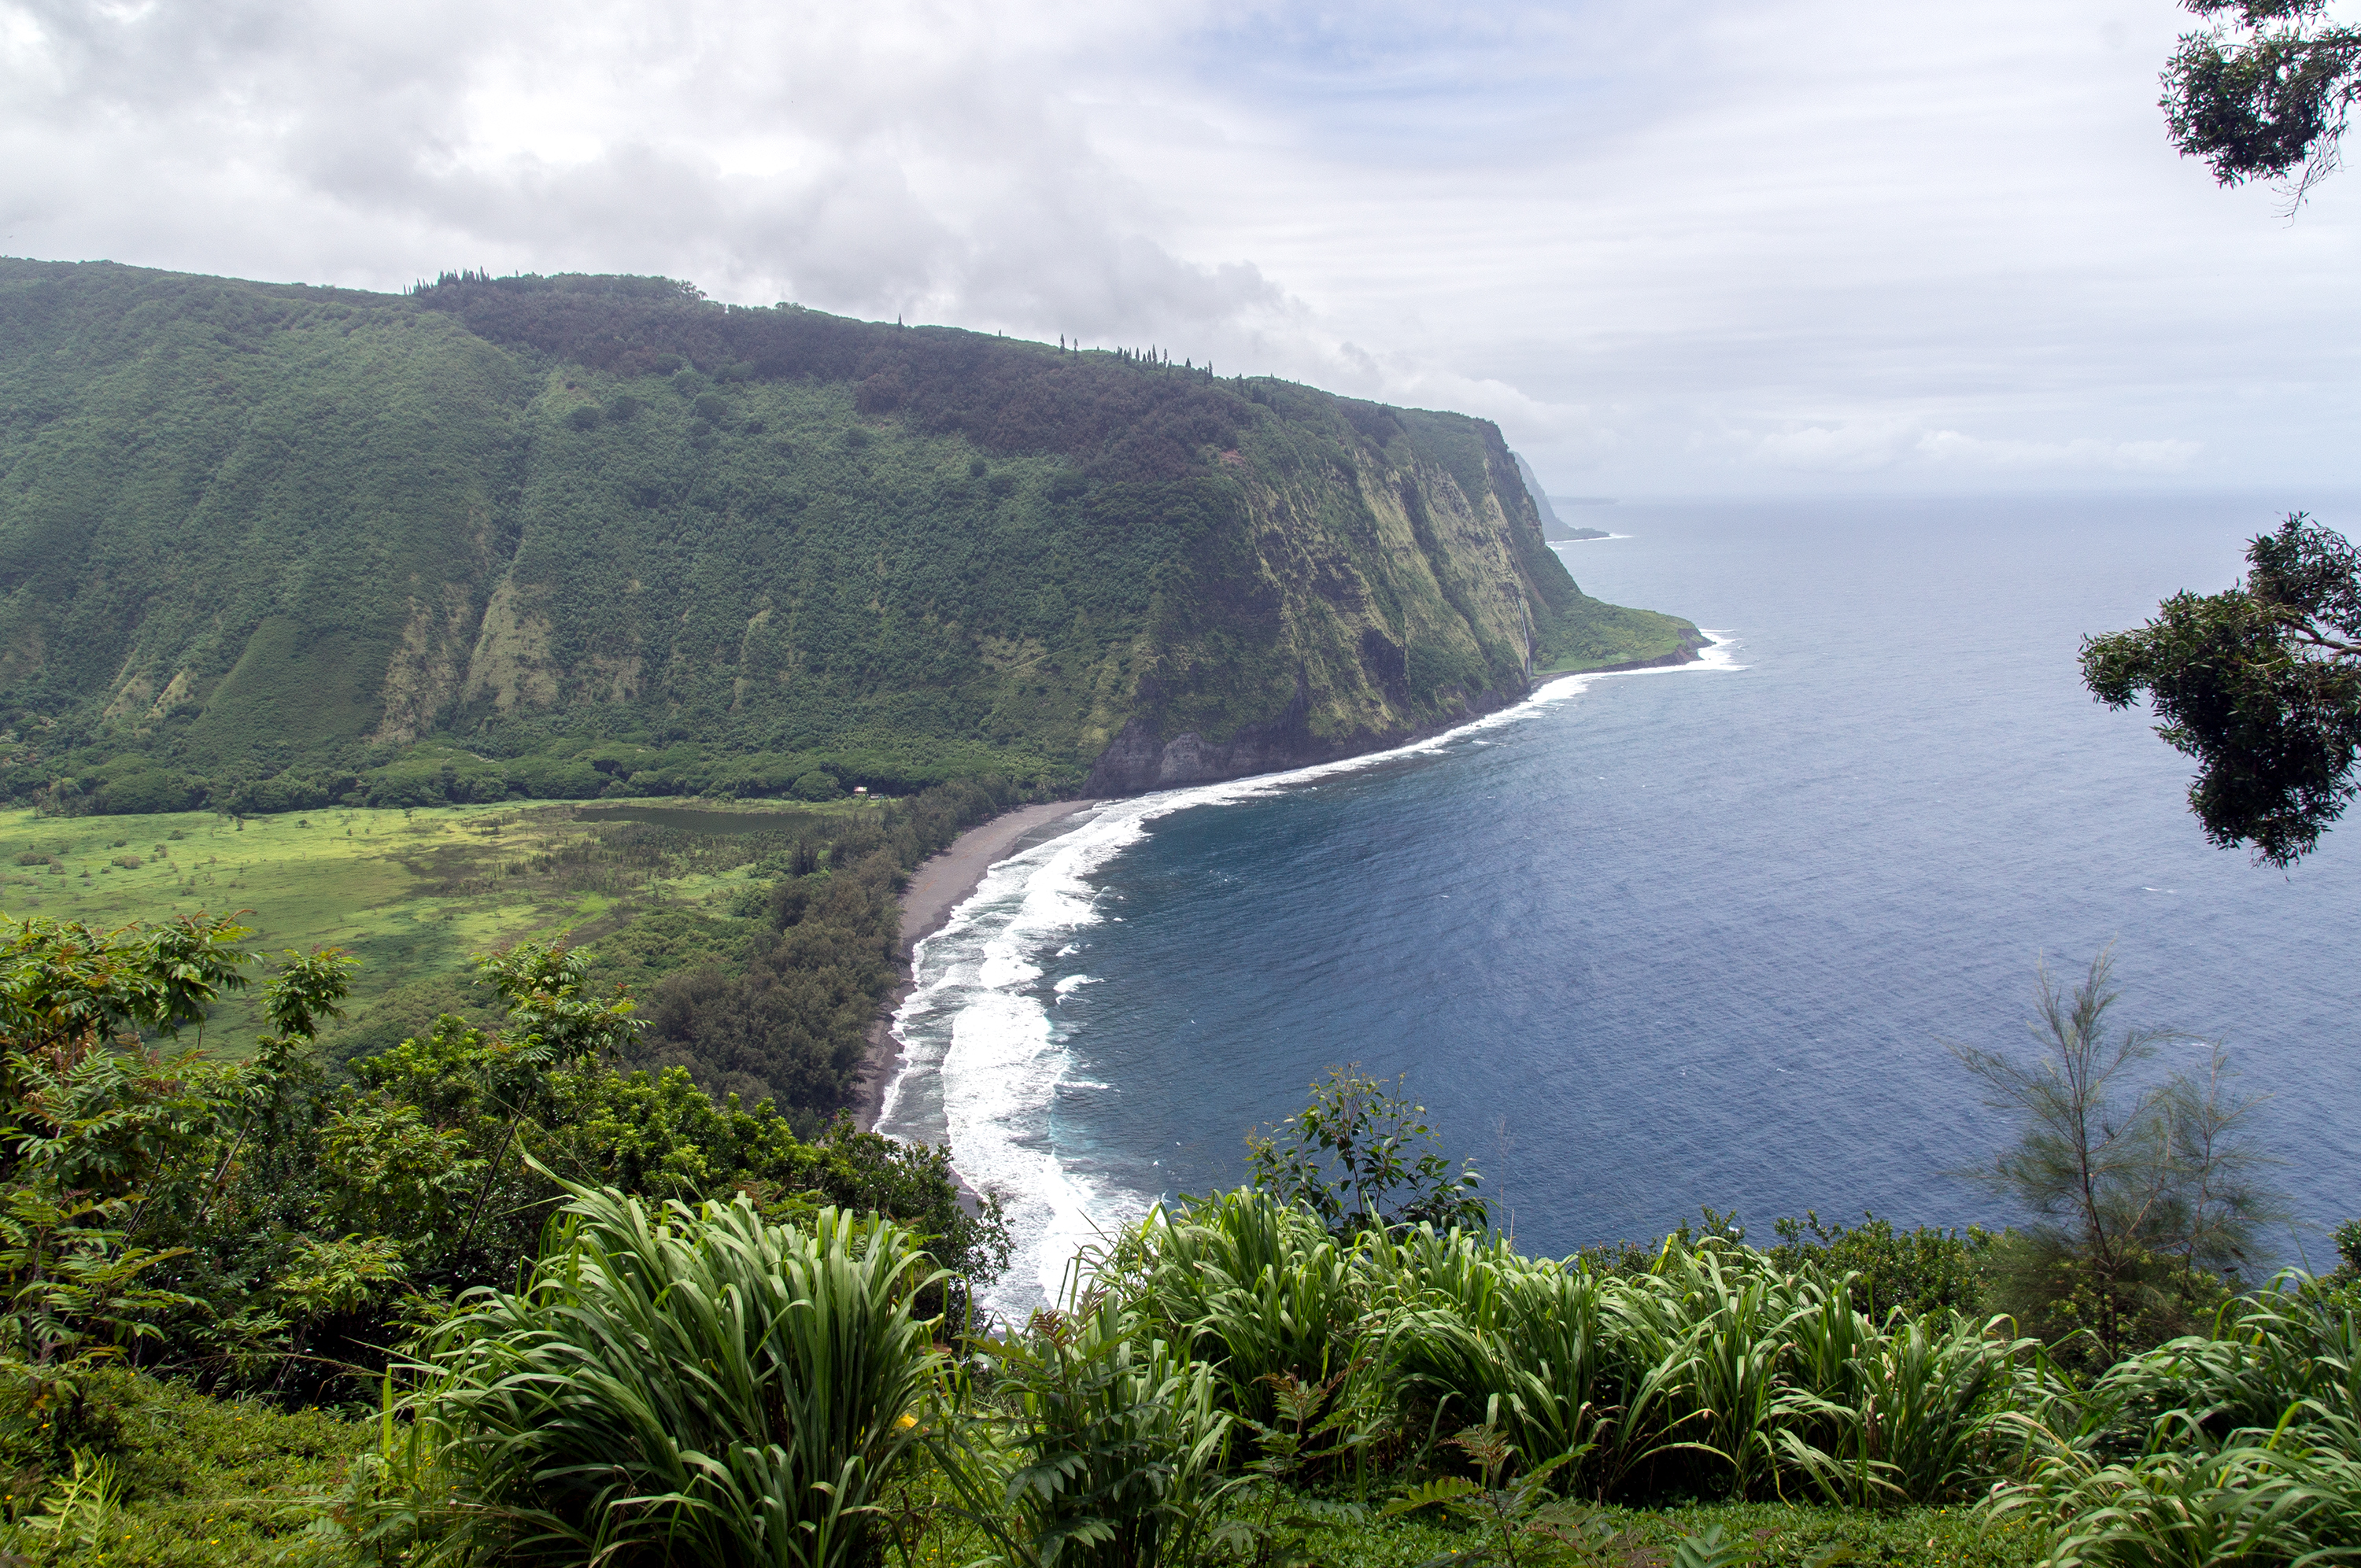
938,887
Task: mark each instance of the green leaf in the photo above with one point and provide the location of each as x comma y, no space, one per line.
1442,1491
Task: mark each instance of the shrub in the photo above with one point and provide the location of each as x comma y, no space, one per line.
1360,1158
2347,1240
1916,1271
136,794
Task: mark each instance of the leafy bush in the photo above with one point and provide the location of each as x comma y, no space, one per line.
1360,1158
1916,1271
250,1224
151,790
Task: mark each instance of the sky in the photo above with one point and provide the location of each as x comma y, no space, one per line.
1732,247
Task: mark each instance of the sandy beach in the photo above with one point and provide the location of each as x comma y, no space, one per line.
939,886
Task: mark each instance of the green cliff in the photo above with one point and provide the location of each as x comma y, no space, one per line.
273,546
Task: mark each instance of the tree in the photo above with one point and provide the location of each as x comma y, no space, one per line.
1361,1158
2145,1197
2263,90
2261,683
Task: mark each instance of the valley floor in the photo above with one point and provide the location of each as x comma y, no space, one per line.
411,892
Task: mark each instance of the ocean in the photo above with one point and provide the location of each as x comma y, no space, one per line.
1674,938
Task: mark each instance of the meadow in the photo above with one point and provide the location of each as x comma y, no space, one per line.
411,892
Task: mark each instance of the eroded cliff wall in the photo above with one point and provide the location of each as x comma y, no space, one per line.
252,532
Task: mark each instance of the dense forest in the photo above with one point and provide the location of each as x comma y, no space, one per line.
271,548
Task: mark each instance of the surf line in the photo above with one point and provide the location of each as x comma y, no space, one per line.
982,1053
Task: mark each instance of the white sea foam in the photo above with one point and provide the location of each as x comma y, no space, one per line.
982,1058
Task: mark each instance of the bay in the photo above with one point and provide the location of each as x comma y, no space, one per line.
1679,938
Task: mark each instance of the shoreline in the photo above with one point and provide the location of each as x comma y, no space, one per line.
949,878
941,884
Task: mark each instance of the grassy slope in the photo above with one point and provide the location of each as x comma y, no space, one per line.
412,894
249,529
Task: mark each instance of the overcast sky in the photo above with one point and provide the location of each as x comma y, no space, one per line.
1729,246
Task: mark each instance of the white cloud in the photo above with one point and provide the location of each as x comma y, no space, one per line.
908,157
1744,243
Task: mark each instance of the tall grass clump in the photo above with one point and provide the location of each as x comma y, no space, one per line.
1908,1411
1474,1332
2239,1445
686,1387
1257,1286
1711,1370
1089,1442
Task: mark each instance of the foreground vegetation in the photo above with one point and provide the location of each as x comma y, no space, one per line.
498,1293
572,1313
706,1384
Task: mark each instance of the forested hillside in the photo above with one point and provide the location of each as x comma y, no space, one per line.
274,547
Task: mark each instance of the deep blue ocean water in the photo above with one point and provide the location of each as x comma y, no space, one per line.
1682,938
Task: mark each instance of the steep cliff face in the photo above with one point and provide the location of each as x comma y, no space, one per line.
1409,589
254,533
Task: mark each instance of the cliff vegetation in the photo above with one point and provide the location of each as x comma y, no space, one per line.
271,548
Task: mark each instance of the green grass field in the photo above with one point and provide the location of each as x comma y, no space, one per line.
412,893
